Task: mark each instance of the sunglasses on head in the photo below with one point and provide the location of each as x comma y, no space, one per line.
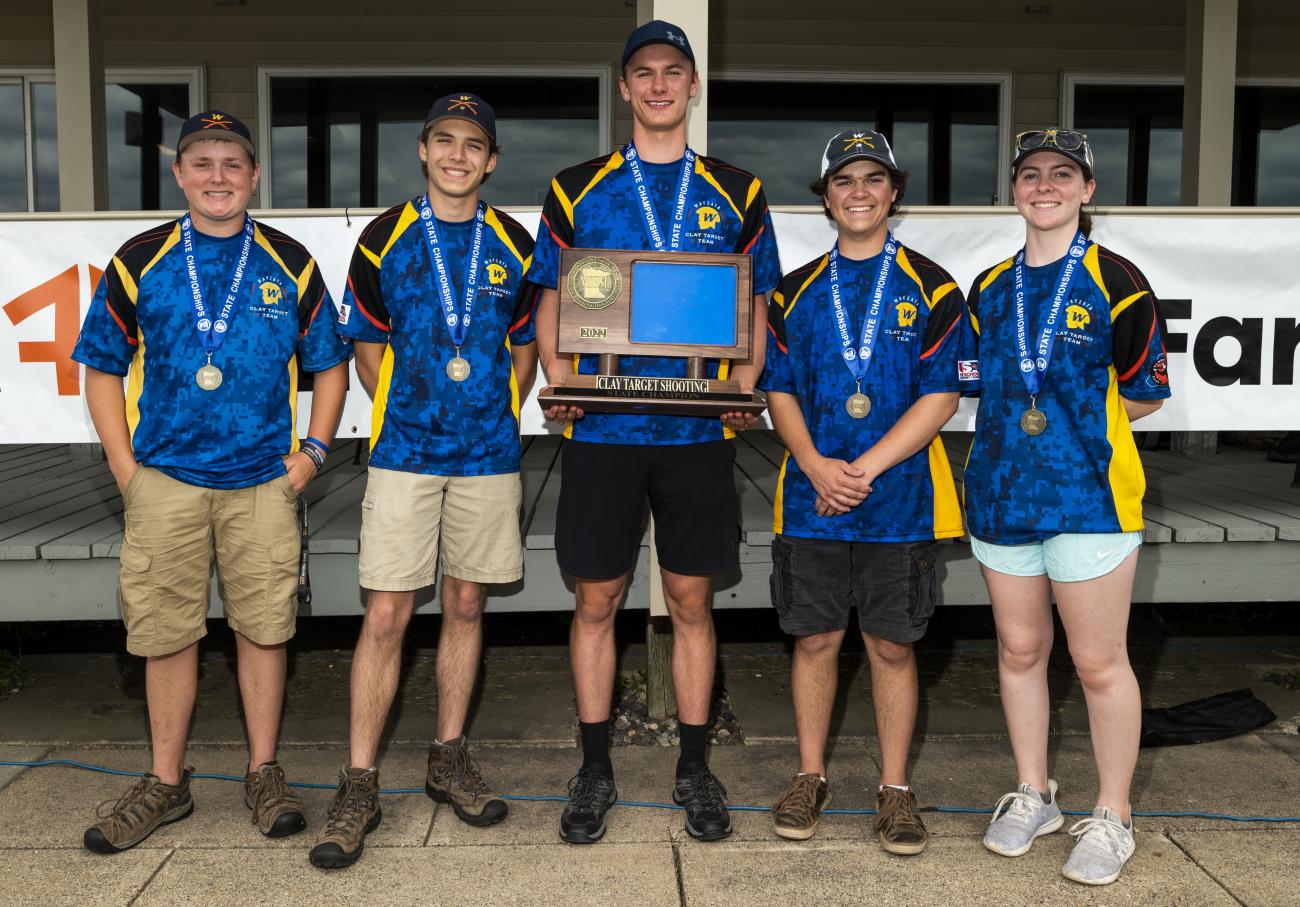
1065,139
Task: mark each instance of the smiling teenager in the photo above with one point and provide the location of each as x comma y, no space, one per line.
1071,352
683,464
441,317
869,353
207,318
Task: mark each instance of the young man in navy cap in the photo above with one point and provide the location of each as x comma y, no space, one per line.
654,193
207,317
441,317
868,356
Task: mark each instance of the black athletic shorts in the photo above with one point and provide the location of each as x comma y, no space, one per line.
603,493
816,581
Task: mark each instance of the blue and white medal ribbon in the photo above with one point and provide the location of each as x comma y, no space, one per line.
654,232
457,321
858,357
1034,368
212,331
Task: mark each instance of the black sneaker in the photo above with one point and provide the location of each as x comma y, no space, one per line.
705,800
591,794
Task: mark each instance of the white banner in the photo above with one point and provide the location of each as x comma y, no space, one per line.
1227,282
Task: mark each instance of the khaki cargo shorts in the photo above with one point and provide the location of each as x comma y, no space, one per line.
404,514
172,531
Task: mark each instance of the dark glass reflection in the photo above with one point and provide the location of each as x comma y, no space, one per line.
945,135
13,149
143,121
1136,132
1267,146
45,146
353,140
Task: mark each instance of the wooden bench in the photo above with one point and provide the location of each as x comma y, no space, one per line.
1221,528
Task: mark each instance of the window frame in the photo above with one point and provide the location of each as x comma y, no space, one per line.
1070,80
1005,82
602,72
194,77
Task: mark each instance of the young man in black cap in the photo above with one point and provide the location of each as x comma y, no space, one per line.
441,317
206,455
654,193
869,353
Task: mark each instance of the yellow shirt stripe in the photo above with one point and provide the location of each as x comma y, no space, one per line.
1127,481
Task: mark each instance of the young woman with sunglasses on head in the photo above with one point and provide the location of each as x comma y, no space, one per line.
1071,351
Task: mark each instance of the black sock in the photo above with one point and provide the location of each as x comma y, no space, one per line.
595,745
694,739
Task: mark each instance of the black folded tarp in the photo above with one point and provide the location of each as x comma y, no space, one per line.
1202,720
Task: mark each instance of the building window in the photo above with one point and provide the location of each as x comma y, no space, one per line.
1266,145
945,134
143,110
1136,133
351,140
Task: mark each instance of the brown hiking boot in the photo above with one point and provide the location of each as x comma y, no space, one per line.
353,814
898,824
795,815
277,811
453,777
138,813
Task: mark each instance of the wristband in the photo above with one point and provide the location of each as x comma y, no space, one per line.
318,444
312,454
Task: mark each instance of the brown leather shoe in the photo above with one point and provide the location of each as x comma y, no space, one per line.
898,824
796,813
277,811
453,777
353,814
138,813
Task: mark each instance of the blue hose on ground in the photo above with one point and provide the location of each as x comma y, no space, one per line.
554,798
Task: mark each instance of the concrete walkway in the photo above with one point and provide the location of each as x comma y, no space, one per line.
89,708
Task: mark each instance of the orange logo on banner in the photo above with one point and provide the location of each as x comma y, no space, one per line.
64,293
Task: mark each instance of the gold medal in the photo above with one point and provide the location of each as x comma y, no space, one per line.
1033,422
458,369
858,405
208,378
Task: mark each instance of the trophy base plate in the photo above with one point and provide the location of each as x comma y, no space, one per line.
669,396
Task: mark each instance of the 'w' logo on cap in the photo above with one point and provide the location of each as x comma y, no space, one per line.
215,119
464,102
858,140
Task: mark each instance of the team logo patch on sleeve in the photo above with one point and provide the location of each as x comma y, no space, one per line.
968,370
1159,375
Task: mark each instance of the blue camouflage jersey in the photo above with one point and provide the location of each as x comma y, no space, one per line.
594,206
1083,473
141,324
924,346
422,421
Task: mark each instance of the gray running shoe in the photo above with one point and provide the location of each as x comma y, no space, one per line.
1021,816
1104,846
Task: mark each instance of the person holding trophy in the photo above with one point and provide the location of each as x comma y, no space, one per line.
654,193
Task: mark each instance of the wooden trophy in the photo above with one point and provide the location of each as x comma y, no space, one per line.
697,305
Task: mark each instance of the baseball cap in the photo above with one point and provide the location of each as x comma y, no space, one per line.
656,31
856,145
215,124
468,107
1073,145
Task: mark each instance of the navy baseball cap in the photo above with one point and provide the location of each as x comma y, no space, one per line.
857,145
657,31
468,107
215,125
